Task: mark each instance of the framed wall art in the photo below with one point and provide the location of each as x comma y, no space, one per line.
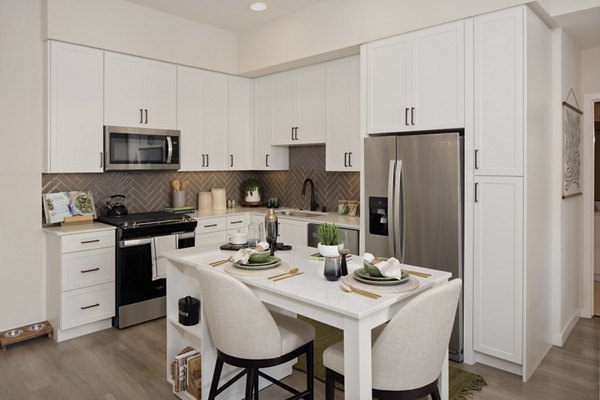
571,129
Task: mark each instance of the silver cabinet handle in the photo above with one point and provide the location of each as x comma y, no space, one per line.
92,306
476,158
476,193
90,241
350,159
406,116
85,271
266,160
412,115
141,116
146,113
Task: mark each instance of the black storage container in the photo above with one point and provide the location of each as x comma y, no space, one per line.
189,311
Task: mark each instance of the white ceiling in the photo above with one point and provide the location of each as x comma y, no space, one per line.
231,15
582,26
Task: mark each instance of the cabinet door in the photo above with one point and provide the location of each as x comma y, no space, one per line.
123,90
498,93
283,116
214,120
240,140
160,95
310,90
498,267
292,232
265,156
388,85
75,115
189,117
343,110
438,77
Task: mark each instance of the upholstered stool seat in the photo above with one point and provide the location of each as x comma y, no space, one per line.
409,351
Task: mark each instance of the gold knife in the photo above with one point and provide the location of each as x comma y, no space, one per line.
289,276
365,292
416,273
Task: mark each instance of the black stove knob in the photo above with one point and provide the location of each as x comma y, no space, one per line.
125,224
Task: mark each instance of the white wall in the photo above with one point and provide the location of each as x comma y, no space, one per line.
21,113
340,24
590,70
567,236
126,27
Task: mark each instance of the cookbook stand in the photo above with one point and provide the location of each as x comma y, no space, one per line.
78,219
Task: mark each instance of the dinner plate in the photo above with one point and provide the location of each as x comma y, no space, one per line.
362,276
268,261
256,267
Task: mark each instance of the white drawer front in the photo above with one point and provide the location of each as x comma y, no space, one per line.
211,238
237,222
88,268
211,225
88,241
82,306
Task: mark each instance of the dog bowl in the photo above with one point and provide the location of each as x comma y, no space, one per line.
13,333
36,327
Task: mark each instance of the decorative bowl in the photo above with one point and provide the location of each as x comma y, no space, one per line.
259,256
372,268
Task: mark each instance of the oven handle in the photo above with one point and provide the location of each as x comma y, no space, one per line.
154,260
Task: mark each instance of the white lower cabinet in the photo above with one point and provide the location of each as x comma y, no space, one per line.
80,279
211,231
498,267
292,231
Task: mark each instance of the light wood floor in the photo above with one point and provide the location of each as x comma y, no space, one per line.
129,365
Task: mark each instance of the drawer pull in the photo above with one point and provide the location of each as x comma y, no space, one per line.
92,306
90,270
90,241
210,226
236,222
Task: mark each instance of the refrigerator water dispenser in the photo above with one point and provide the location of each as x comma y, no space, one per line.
378,216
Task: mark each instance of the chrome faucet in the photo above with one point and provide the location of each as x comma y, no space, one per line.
313,203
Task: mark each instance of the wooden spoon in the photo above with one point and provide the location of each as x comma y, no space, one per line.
291,271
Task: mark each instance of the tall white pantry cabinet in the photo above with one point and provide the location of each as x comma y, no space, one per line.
511,197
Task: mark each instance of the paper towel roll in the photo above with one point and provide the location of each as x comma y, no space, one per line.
219,199
205,201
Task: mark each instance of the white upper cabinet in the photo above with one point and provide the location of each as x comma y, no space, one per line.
342,122
499,93
202,119
416,81
239,137
75,89
265,156
298,106
139,92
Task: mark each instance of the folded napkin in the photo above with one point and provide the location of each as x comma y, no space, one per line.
390,268
242,255
262,246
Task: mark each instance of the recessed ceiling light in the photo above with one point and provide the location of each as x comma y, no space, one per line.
258,6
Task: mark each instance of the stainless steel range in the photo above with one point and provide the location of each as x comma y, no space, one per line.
142,239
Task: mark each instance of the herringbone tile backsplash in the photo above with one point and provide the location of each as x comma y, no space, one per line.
150,191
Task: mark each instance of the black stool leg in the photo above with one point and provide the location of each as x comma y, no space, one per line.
329,384
215,381
435,395
310,372
256,376
250,383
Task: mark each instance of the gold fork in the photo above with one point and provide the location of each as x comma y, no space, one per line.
219,262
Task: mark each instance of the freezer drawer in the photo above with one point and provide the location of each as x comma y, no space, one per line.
351,241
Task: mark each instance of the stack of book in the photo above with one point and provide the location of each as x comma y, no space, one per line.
181,210
186,372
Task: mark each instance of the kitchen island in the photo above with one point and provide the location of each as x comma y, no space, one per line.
309,294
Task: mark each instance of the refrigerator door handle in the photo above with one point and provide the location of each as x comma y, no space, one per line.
400,210
391,207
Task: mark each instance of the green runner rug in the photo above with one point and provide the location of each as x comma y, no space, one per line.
462,382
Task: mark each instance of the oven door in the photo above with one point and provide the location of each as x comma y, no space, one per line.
136,272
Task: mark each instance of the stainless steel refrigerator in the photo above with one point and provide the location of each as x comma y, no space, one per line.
414,194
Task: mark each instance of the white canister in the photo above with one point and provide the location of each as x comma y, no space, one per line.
205,201
219,199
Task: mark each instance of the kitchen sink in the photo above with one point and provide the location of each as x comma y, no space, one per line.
299,213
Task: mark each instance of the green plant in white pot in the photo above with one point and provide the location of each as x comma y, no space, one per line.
329,236
251,191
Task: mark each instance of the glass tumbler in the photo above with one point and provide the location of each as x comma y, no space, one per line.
255,234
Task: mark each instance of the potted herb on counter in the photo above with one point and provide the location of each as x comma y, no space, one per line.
329,235
251,192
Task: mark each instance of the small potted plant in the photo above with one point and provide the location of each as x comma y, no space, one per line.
329,235
251,191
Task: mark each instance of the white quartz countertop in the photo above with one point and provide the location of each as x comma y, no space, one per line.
343,221
72,229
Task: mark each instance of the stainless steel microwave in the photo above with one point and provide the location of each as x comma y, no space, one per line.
127,148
